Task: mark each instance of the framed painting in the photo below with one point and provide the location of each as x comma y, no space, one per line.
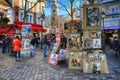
53,59
92,17
74,42
92,39
73,26
75,60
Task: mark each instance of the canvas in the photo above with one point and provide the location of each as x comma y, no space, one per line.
75,60
92,18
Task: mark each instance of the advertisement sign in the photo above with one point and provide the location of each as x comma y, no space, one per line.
53,59
26,34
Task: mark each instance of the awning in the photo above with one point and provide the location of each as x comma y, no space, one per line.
7,30
35,27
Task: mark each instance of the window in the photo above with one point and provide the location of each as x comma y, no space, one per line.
31,18
41,22
53,10
115,9
27,18
21,17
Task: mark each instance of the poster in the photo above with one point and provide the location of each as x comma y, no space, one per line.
53,59
26,35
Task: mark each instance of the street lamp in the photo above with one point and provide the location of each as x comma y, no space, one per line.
103,37
103,17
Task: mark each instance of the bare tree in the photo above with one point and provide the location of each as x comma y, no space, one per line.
28,10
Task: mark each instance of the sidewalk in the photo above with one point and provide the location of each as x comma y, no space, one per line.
37,68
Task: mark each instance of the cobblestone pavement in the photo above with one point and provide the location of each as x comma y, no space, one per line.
37,68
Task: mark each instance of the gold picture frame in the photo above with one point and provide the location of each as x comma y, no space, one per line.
92,17
74,42
92,39
75,60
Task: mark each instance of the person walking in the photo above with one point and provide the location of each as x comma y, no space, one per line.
17,44
4,45
45,41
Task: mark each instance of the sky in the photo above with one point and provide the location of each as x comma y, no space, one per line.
60,12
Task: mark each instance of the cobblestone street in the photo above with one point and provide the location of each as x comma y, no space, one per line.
37,68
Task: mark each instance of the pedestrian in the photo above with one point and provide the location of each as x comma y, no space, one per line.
63,41
17,44
4,45
32,53
118,49
45,41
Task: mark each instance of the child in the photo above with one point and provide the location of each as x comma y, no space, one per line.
32,50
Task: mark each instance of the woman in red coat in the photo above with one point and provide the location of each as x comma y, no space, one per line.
17,46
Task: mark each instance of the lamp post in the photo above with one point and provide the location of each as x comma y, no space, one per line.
103,36
103,17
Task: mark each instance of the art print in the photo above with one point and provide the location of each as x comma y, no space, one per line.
75,60
74,42
97,43
53,59
73,26
92,17
96,34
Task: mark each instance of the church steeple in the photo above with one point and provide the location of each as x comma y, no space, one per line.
54,12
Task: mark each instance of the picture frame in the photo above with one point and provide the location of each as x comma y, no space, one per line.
92,39
92,16
74,42
75,61
53,59
74,26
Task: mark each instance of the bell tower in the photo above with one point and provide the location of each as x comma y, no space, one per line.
54,11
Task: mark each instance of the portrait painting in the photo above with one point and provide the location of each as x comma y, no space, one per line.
92,17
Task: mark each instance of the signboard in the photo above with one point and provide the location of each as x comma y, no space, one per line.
26,34
53,59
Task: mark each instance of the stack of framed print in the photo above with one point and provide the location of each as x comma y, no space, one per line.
92,40
73,30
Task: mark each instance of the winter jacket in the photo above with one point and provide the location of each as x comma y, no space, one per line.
17,45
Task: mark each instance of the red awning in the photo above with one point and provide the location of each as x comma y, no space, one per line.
7,30
35,27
